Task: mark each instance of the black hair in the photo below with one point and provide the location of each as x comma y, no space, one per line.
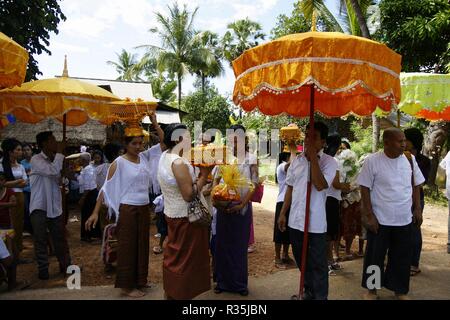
347,144
97,152
9,145
333,144
283,157
43,137
416,137
169,130
111,151
237,127
322,128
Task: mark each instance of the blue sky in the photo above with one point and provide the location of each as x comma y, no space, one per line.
95,30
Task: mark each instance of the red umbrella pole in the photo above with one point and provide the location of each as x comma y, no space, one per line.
308,200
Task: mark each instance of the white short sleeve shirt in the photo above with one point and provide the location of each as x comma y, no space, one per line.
389,181
445,164
297,178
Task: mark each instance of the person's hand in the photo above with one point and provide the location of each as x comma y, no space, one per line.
207,192
311,151
282,222
236,208
205,171
91,222
372,223
417,217
346,187
21,183
153,118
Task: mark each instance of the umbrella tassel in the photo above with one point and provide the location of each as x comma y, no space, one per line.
308,202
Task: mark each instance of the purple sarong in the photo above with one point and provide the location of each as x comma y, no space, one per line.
232,236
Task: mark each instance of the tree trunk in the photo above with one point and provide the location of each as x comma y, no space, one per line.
375,132
203,82
179,91
435,138
361,19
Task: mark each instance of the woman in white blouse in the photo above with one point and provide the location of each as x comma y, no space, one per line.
186,268
125,192
17,178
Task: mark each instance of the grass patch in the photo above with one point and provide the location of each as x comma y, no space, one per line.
435,196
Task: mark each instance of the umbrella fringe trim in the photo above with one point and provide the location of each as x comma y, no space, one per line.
309,81
319,59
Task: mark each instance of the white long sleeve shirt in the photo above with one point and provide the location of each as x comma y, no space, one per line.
44,181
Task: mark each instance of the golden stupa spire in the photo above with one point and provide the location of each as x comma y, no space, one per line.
65,71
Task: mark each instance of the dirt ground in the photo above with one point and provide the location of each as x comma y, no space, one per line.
261,262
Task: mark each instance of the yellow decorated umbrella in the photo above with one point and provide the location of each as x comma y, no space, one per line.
426,95
70,101
332,73
13,62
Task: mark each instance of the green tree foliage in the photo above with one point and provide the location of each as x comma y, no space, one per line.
419,31
176,32
209,107
206,62
164,88
126,66
30,23
241,35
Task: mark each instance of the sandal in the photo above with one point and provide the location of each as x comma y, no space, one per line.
157,250
279,264
331,272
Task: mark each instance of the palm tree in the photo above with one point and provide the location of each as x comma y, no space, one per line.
163,88
318,9
241,35
126,66
176,33
207,56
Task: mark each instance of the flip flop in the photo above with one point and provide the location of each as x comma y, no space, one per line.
157,250
280,265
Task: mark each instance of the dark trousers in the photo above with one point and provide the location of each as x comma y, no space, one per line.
316,276
396,242
416,233
27,221
86,211
55,226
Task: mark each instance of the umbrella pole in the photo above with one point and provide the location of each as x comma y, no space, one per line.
308,201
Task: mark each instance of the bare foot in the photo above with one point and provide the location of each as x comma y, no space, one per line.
371,295
402,297
133,293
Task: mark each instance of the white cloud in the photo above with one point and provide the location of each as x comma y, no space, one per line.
68,47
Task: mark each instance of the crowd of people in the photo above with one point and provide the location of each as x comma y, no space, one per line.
119,187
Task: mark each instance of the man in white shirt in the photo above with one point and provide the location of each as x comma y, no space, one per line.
89,192
445,164
323,170
387,179
46,203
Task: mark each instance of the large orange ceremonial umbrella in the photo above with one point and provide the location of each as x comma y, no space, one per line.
13,62
69,100
332,73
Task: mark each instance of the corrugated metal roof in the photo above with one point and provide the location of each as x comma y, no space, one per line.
124,89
